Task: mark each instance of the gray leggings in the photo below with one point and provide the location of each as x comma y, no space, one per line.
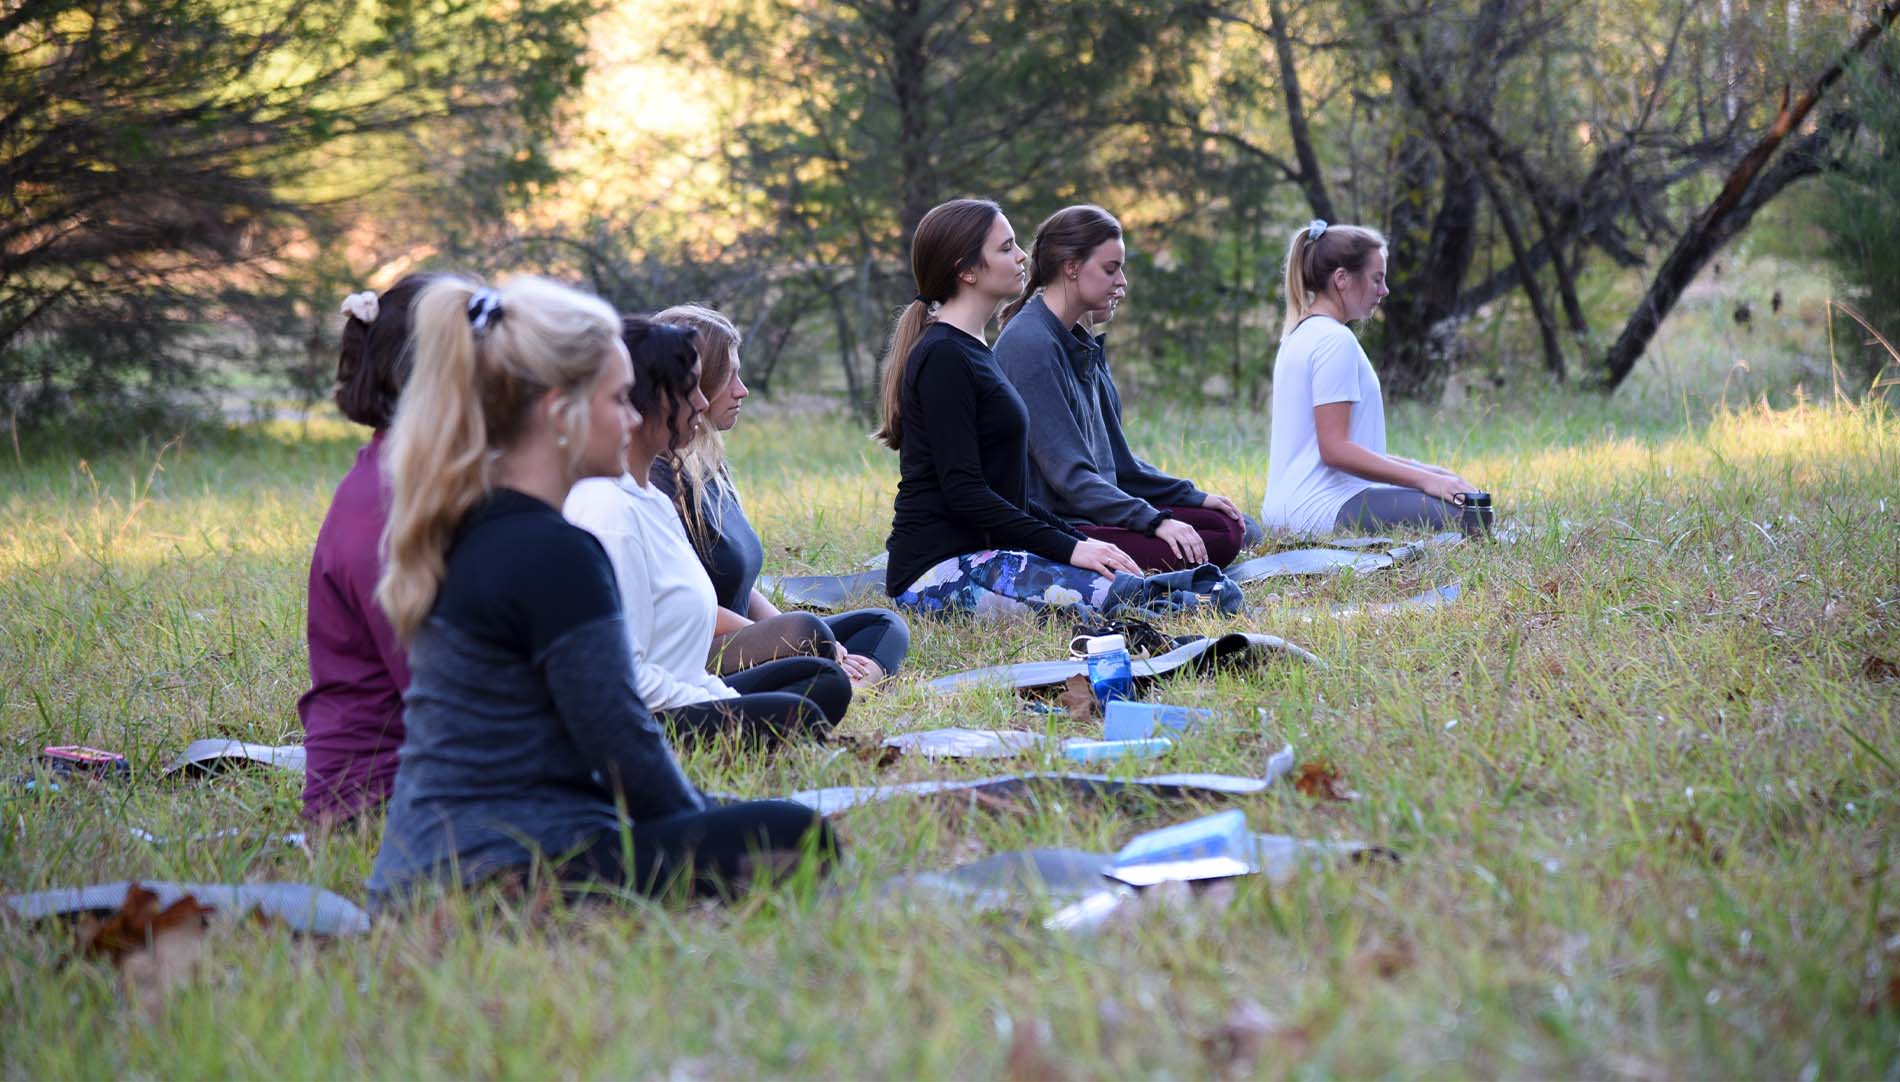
1390,505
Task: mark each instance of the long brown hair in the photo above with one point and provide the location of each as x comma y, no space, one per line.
1069,234
470,396
948,242
1311,261
702,462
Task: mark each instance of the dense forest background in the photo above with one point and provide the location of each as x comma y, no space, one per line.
188,186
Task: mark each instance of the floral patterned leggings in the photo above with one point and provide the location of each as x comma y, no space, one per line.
996,583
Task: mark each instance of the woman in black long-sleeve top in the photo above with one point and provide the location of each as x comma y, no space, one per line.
525,739
965,537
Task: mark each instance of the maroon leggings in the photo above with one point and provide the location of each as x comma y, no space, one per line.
1221,535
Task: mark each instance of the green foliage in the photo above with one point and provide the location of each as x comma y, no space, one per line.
1861,216
166,164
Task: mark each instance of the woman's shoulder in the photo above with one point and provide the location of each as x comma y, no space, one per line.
943,351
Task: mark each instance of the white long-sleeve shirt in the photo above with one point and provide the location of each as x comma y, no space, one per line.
669,600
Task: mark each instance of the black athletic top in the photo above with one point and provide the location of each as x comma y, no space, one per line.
523,730
964,465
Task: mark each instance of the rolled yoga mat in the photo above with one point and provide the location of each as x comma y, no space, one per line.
828,593
1236,648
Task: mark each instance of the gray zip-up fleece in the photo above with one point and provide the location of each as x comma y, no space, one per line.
1081,467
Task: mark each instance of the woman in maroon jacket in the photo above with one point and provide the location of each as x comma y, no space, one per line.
352,714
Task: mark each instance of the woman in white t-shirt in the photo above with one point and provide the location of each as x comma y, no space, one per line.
1327,468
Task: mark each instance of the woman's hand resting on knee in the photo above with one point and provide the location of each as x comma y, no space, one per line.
1102,558
1184,540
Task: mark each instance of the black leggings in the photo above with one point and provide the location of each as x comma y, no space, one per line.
878,634
1392,505
778,701
718,852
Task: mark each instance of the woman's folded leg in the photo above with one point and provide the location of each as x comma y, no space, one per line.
819,681
878,634
1383,506
718,852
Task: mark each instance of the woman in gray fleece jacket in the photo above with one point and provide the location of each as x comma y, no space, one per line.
1081,465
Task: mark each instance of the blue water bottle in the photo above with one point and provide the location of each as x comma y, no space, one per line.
1109,672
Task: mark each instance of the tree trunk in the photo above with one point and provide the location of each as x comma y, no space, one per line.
1745,192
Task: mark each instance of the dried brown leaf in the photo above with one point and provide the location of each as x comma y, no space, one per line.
1078,698
151,973
1321,780
1688,836
1029,1058
1876,667
155,948
139,918
1385,958
1233,1049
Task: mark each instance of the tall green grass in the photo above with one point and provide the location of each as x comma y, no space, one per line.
1641,781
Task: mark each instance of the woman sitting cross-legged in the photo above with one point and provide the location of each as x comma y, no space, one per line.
352,714
965,536
525,737
1327,467
870,644
671,607
1081,466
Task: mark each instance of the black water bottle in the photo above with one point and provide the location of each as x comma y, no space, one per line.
1476,517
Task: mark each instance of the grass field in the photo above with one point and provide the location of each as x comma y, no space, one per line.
1642,778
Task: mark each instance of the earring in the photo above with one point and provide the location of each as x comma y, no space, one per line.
560,440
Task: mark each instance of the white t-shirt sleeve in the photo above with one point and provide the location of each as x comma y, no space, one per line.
598,506
1335,368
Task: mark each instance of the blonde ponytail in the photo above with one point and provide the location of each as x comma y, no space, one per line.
1315,252
467,399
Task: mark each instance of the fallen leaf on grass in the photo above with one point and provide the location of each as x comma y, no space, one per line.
1078,698
1384,958
1687,835
1321,780
869,749
154,948
1233,1049
1879,668
1029,1059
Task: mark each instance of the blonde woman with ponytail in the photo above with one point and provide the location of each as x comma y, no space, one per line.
1328,469
524,737
965,536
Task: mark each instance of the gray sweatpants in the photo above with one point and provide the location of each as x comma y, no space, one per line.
1391,505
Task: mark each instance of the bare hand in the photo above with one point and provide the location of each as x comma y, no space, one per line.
1222,504
1185,540
1102,558
862,670
1445,486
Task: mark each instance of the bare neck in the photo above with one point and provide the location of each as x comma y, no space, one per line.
969,312
536,468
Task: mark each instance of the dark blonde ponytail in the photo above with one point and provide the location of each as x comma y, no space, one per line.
469,396
949,241
1315,252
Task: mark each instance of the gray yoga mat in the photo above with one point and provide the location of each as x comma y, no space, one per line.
841,798
826,592
1199,655
301,907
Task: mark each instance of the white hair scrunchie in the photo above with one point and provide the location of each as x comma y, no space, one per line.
1315,229
361,306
